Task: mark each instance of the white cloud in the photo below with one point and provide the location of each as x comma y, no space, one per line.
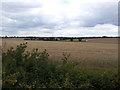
72,1
98,30
59,17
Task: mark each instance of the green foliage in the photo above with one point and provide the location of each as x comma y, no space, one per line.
23,69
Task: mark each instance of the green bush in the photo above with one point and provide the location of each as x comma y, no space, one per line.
23,69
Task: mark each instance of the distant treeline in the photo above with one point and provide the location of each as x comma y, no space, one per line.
58,37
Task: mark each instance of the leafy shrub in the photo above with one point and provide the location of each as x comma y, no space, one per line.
23,69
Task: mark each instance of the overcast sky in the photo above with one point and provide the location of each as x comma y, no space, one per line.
55,18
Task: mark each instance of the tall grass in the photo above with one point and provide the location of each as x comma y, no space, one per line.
22,69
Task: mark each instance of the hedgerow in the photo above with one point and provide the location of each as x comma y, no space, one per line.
23,69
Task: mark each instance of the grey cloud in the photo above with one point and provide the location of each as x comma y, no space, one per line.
105,13
27,21
16,7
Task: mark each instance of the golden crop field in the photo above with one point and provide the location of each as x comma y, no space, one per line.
93,53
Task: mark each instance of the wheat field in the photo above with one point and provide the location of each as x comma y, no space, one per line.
102,52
